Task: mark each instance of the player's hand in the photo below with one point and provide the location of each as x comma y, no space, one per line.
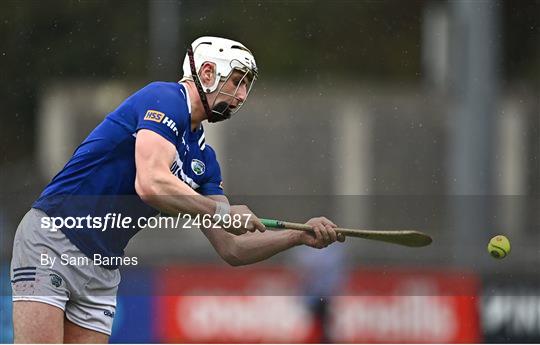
249,221
323,233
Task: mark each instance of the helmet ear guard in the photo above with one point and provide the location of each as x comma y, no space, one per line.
217,78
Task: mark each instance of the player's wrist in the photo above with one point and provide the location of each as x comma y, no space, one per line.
295,237
222,209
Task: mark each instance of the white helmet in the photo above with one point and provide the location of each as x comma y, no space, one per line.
225,54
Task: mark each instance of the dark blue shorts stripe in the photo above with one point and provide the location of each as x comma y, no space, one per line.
30,268
23,280
24,274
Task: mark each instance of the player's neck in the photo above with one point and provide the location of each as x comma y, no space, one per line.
198,114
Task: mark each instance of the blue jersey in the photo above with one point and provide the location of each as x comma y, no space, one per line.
100,176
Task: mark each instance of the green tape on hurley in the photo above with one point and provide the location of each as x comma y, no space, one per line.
272,223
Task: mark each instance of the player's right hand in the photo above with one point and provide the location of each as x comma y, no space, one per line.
249,221
323,233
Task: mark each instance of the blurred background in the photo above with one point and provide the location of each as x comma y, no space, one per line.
386,114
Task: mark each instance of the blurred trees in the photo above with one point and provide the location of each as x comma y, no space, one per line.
308,41
44,41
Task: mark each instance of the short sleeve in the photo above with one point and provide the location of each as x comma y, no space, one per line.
160,109
213,184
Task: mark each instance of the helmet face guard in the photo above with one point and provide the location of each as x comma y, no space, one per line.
222,110
228,57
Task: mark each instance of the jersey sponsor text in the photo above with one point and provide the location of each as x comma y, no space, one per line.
154,115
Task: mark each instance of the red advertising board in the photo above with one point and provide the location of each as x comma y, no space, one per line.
219,305
407,307
215,304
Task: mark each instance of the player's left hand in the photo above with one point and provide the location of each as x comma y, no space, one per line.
323,234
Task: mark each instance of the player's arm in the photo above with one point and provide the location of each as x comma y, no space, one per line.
159,188
254,247
155,183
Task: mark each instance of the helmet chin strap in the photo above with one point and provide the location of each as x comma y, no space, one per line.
202,94
220,112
